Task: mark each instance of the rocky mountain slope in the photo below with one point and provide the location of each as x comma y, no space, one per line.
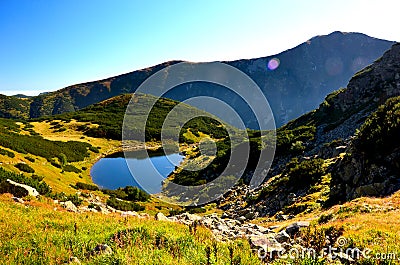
352,149
306,74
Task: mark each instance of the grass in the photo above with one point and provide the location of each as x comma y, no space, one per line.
39,234
60,182
364,223
53,176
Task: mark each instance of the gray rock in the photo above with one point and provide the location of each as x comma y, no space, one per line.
74,260
263,229
162,217
69,206
270,245
241,219
102,249
294,228
87,209
339,149
251,215
282,237
374,189
191,217
129,214
223,228
281,217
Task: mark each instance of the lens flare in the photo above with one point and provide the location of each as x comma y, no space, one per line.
273,64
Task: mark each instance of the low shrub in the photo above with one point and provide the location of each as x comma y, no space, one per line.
24,167
85,186
124,205
94,149
30,159
74,198
197,210
71,168
128,193
7,153
305,172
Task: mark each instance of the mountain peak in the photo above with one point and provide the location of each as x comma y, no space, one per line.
305,75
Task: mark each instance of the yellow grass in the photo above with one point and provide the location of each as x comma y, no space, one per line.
52,175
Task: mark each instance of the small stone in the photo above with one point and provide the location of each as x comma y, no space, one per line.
281,217
241,219
74,260
102,249
129,214
273,227
224,215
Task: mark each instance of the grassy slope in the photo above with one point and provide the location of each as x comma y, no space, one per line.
45,234
52,175
39,234
367,223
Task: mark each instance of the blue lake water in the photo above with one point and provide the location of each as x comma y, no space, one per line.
149,172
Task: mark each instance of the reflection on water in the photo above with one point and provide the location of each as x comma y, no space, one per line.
113,172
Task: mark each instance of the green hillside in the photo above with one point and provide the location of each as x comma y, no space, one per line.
109,115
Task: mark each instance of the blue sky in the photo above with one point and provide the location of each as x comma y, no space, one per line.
47,45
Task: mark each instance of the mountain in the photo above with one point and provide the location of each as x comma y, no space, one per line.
310,71
306,74
14,107
21,96
345,149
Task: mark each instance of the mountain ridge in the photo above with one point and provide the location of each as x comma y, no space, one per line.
285,87
351,149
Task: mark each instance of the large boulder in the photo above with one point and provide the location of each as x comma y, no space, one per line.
69,206
294,228
282,237
161,217
266,244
